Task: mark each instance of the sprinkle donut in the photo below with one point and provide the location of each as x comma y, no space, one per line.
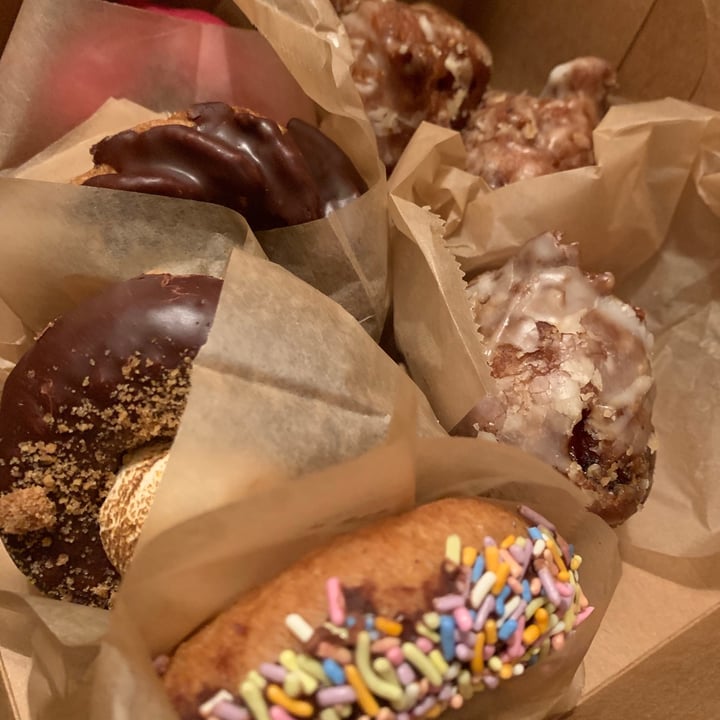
107,378
406,618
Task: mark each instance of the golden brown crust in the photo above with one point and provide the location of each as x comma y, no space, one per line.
397,562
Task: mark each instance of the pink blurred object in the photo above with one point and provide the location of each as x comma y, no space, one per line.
162,62
185,13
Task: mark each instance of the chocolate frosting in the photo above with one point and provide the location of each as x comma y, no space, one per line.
107,377
234,158
337,180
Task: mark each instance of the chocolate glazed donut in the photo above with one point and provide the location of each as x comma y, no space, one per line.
273,176
108,377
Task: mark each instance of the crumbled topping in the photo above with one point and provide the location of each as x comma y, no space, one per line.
26,510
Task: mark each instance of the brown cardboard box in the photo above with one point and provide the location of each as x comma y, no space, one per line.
8,13
660,47
657,654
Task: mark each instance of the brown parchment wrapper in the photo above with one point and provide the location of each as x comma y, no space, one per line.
69,157
345,256
190,567
64,60
295,367
13,340
649,213
288,381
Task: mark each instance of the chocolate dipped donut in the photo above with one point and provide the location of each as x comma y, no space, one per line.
412,63
511,137
107,378
408,617
572,371
212,152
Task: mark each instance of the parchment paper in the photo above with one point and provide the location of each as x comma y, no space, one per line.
187,570
288,382
649,213
64,60
345,255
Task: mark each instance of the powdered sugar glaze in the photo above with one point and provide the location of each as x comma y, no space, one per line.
573,373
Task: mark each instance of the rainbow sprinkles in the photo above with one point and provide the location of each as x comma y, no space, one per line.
511,604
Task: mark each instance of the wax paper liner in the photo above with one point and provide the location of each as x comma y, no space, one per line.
188,569
649,213
158,63
287,372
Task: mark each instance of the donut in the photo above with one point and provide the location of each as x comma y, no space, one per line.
413,63
572,372
511,137
107,378
213,152
407,617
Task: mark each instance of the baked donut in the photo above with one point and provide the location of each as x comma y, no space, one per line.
572,371
273,176
405,618
511,137
108,377
413,63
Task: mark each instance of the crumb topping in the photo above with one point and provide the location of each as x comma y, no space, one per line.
26,510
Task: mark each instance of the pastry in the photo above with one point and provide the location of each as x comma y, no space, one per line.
273,176
412,63
572,372
108,378
405,618
512,137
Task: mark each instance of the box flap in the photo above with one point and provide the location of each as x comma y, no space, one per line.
645,614
8,13
527,40
668,55
660,47
680,680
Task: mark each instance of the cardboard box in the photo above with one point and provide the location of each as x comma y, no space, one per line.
8,12
657,654
660,47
